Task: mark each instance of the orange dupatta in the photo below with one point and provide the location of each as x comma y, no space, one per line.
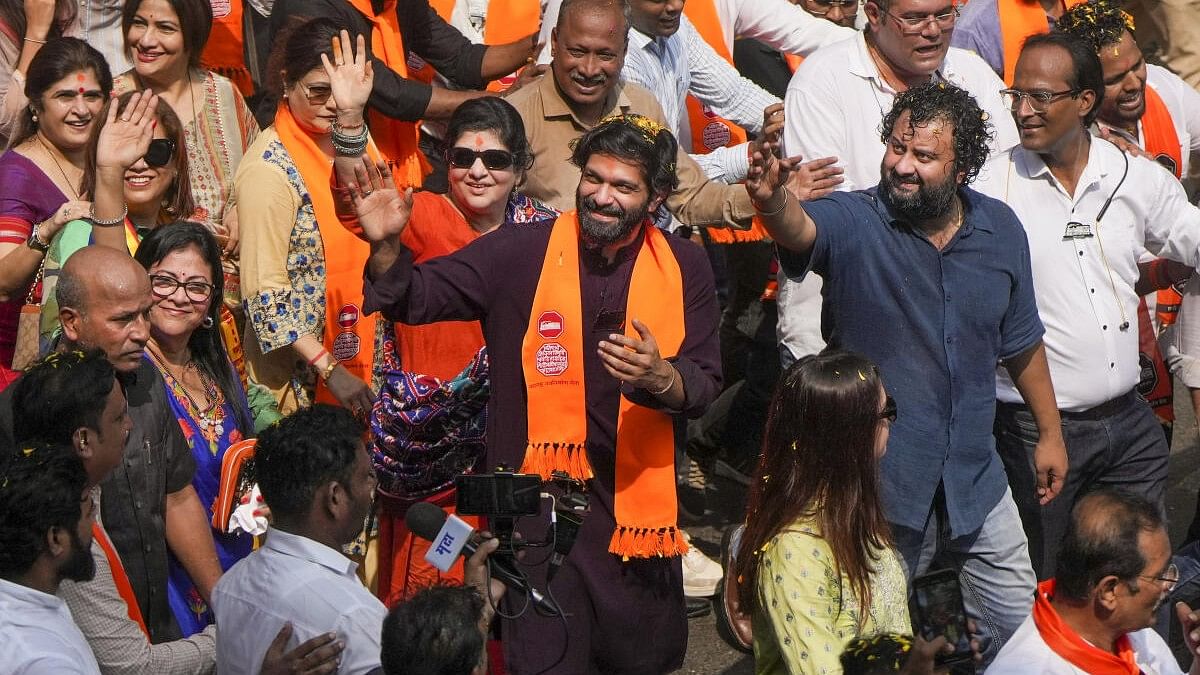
349,336
1162,142
1065,642
224,53
1018,20
507,22
120,578
396,140
552,355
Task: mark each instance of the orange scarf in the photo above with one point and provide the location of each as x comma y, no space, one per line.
395,139
1018,20
1160,140
552,355
120,578
1065,642
709,131
506,22
349,336
223,53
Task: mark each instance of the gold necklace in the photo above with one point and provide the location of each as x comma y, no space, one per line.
49,153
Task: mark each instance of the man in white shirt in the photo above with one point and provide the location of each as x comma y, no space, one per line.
46,512
1095,617
316,476
1088,210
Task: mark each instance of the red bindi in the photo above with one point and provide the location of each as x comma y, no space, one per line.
81,90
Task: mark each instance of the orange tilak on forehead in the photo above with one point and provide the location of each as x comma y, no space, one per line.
479,140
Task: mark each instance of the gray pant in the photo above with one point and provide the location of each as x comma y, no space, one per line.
1124,448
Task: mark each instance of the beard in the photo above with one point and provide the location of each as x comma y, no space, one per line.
599,232
931,200
79,566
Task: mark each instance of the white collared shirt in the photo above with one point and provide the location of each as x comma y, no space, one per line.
1085,285
1026,652
293,578
837,100
37,634
683,63
1183,102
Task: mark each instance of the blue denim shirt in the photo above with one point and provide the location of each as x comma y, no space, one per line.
936,323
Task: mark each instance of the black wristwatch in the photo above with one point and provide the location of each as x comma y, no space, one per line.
35,242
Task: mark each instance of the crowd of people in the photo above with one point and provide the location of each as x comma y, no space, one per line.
409,336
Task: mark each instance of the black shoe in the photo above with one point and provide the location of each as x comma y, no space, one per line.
692,495
697,607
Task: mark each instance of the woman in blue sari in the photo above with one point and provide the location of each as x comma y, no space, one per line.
206,395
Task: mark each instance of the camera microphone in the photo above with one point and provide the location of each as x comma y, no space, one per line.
429,522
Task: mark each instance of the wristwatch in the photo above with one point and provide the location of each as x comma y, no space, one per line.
35,241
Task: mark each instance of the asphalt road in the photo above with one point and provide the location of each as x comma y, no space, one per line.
708,654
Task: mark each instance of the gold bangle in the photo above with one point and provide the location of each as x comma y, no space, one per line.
667,388
777,211
327,371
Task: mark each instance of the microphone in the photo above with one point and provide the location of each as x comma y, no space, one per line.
426,521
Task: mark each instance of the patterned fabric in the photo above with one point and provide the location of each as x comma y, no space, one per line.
806,611
425,431
522,209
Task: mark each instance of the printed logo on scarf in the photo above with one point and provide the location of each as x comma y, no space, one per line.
346,344
551,359
550,325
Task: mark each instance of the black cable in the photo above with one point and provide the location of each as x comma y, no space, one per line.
566,633
487,580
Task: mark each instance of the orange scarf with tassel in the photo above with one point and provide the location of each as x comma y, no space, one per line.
349,336
1065,642
224,52
1018,20
552,355
396,140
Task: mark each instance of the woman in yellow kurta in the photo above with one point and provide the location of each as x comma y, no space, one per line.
815,567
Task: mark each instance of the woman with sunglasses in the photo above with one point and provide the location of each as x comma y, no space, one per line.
183,260
67,84
815,567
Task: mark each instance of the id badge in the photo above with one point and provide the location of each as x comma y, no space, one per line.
1077,230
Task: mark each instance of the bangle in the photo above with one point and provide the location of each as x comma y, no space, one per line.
348,145
109,223
777,211
327,371
313,361
35,41
666,388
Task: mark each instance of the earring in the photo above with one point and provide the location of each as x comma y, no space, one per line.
207,322
33,114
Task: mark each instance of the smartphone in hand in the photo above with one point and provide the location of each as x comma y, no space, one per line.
937,609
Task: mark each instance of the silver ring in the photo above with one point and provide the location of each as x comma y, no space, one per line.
367,193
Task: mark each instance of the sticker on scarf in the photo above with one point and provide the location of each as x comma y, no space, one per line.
715,135
348,316
1077,230
550,325
445,547
551,359
1168,162
346,343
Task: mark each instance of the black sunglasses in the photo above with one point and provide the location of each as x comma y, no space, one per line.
464,158
889,409
160,152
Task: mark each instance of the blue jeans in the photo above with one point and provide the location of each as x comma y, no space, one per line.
993,567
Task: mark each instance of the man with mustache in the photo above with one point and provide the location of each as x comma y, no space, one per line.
1096,616
600,328
1089,210
930,280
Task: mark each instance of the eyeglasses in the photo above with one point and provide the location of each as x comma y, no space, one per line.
317,94
913,25
464,158
823,7
1168,580
889,409
160,152
1038,100
164,287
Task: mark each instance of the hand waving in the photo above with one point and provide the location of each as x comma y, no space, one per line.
351,75
382,211
126,137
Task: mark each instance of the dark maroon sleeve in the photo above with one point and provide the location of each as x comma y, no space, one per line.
449,288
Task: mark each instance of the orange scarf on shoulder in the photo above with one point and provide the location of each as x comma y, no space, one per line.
120,578
224,52
506,22
1162,142
349,336
396,140
1018,20
552,355
1065,642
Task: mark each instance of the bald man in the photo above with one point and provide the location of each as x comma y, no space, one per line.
148,503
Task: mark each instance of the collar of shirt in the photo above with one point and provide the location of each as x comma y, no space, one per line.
12,593
655,45
862,65
555,105
971,217
296,546
1031,166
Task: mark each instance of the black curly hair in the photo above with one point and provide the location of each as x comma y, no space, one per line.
940,101
635,139
41,487
1099,23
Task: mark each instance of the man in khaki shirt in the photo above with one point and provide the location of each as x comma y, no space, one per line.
588,50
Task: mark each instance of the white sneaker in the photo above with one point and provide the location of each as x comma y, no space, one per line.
701,574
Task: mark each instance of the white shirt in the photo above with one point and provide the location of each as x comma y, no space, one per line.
293,578
38,636
837,99
683,63
98,23
1081,305
1183,102
1026,653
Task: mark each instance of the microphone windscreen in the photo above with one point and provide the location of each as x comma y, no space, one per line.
425,520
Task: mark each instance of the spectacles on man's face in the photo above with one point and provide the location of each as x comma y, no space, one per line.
913,25
1038,100
1167,580
317,94
164,287
464,158
889,409
823,7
